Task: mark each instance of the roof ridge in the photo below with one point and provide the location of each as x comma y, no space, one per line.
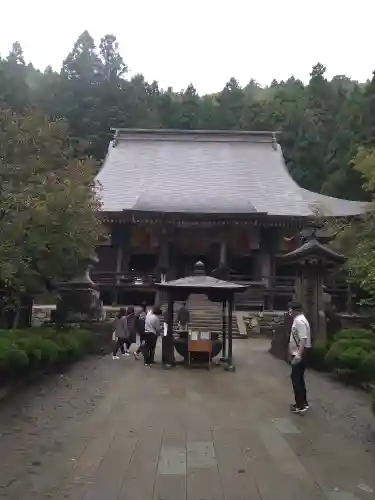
263,136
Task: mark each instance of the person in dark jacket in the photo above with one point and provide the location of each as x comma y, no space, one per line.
140,330
132,334
183,318
120,333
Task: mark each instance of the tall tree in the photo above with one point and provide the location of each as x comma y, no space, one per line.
48,205
83,61
15,55
113,63
231,101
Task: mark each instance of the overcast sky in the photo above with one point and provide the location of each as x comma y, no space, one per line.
202,41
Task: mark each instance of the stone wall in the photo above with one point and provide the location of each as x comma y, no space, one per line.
263,322
42,314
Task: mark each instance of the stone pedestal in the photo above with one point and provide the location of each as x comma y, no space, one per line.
79,299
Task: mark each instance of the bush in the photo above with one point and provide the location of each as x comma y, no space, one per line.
353,350
373,401
355,333
367,367
317,354
351,359
34,349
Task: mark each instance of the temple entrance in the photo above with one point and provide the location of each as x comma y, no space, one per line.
188,262
241,264
142,263
210,259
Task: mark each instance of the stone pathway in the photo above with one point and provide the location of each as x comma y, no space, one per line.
118,431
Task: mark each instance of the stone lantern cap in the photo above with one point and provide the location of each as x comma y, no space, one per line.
199,282
314,252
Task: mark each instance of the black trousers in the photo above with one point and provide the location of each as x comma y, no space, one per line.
141,339
119,346
299,386
148,348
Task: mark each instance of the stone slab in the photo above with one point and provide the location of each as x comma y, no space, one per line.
204,484
170,487
201,454
285,426
139,479
340,495
279,449
172,460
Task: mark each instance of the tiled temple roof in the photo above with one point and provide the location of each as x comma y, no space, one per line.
207,172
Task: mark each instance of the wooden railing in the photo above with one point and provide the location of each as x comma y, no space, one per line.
115,278
275,285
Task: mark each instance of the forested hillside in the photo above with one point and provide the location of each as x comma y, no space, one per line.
322,123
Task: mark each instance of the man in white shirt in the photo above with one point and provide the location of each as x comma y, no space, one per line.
299,343
152,332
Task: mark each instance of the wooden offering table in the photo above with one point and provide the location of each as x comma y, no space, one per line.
200,342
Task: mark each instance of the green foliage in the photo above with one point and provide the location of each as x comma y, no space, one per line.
317,354
355,333
39,348
48,206
367,367
353,350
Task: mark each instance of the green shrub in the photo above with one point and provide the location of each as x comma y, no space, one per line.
318,353
36,348
373,400
12,359
355,333
367,367
50,351
351,359
345,344
331,358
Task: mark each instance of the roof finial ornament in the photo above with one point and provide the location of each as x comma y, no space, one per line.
274,141
115,138
199,269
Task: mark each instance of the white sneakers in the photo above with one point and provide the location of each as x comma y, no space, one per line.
125,355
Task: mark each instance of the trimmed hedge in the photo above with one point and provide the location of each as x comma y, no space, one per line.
40,349
351,352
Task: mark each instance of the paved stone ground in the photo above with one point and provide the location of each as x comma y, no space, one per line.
118,431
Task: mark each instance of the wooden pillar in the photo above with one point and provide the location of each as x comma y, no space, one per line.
119,256
230,365
163,261
167,341
223,254
224,353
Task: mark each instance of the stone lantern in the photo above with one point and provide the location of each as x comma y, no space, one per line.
311,261
79,298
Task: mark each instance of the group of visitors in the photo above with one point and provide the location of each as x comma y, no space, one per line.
128,324
147,325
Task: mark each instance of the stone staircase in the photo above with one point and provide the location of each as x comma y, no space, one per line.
206,315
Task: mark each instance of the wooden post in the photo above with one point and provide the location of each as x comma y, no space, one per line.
167,342
223,254
118,263
223,358
230,367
